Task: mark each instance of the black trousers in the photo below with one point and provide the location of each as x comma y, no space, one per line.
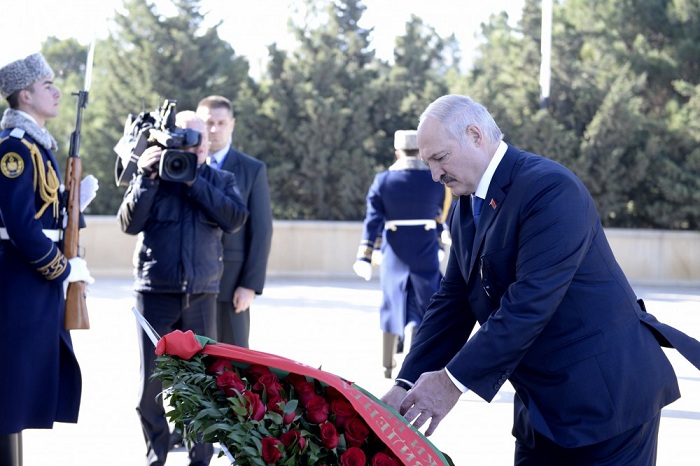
233,328
167,312
636,447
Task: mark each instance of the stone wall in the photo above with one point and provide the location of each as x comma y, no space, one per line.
327,249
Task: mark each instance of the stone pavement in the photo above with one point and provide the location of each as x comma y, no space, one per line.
334,325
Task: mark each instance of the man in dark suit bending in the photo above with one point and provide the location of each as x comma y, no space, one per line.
557,317
245,252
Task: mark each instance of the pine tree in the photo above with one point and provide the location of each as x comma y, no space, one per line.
621,105
417,77
149,58
317,100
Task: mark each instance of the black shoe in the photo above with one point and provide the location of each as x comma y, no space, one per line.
175,440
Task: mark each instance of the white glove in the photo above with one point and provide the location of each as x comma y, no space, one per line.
377,257
441,255
88,190
79,271
363,269
446,238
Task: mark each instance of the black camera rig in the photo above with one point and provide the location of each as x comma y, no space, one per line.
157,128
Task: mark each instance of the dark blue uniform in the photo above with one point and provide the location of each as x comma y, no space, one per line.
41,377
410,269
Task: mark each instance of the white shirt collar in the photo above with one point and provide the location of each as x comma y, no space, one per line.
483,186
220,155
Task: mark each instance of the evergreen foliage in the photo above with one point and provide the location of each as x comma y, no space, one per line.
623,112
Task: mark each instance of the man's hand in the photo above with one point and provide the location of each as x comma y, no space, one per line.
242,299
432,397
394,397
363,269
79,271
88,190
148,161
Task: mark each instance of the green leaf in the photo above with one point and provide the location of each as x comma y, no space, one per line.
290,406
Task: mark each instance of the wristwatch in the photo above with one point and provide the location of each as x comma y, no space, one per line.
403,384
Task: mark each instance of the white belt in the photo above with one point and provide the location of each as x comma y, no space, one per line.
393,224
53,235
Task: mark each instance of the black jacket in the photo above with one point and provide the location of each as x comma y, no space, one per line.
179,248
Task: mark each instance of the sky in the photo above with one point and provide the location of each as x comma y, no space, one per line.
249,25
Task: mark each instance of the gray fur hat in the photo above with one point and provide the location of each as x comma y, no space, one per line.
21,73
405,140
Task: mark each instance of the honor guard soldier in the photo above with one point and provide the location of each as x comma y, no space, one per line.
42,377
403,225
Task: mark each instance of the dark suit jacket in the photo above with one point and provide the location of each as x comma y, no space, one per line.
246,251
557,316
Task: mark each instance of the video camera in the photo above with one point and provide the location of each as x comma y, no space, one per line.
157,128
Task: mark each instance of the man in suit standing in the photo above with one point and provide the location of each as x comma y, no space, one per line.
405,213
557,316
245,252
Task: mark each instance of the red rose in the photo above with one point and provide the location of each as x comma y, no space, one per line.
332,393
306,392
356,432
270,383
254,406
343,411
230,383
270,453
294,379
317,410
289,418
353,457
274,406
385,459
255,371
219,365
329,436
292,437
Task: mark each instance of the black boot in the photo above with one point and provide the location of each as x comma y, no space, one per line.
176,441
11,449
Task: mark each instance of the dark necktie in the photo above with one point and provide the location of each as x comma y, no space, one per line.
477,203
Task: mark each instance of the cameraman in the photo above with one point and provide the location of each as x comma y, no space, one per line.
178,264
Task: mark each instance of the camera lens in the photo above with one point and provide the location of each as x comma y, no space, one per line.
178,165
174,164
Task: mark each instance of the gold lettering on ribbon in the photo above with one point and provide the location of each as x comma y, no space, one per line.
413,450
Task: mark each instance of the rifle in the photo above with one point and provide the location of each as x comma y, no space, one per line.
76,314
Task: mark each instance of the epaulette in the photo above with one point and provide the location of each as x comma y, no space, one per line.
17,133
